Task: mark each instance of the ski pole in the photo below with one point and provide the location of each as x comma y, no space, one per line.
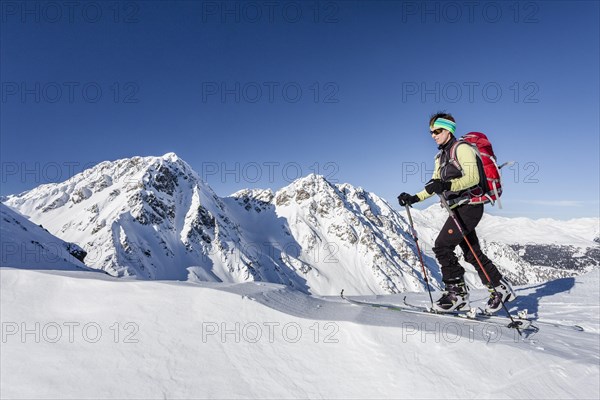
414,235
462,232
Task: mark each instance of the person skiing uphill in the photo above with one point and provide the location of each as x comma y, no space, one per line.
457,180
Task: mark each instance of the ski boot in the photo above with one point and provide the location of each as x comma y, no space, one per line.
499,294
454,298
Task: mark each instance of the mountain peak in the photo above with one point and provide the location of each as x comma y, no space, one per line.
171,156
315,181
312,177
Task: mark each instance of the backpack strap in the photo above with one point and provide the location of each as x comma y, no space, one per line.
453,159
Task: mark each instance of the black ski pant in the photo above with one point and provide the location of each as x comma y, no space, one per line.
450,236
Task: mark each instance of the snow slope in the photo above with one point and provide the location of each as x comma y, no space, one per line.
80,335
26,245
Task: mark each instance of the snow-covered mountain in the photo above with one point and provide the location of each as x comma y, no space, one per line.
571,246
334,236
28,246
154,218
123,214
148,217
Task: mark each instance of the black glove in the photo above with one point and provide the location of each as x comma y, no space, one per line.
437,186
406,199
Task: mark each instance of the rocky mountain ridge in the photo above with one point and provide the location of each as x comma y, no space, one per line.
154,218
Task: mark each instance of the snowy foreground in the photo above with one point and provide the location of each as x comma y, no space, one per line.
69,334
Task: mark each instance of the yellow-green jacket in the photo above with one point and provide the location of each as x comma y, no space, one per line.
467,160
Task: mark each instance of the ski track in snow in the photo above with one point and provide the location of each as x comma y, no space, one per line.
187,344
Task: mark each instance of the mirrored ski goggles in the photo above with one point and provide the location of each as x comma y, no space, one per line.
436,131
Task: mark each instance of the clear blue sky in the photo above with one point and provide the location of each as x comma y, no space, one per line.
253,94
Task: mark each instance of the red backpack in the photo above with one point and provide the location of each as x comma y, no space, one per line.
489,172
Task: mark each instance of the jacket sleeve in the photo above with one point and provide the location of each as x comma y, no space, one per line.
465,155
423,195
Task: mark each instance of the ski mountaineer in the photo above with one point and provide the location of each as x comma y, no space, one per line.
453,182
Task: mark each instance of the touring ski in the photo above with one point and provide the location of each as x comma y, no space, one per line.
525,322
521,316
473,315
